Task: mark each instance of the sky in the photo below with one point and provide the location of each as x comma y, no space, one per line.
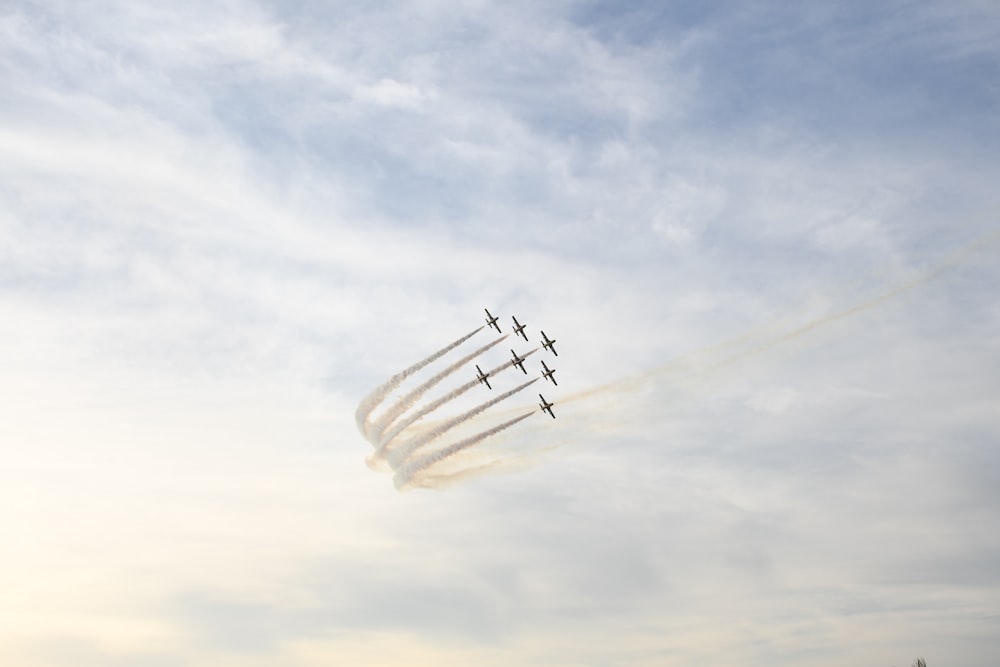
765,237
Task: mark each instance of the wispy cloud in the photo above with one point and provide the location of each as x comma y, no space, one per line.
221,226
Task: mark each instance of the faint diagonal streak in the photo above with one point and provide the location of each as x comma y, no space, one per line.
406,402
375,398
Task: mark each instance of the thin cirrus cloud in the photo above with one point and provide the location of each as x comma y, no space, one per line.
763,236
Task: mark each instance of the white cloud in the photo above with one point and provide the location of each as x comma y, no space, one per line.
390,93
774,400
221,226
688,210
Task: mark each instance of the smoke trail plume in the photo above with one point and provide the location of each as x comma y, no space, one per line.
412,449
434,405
406,449
372,400
630,384
377,430
406,473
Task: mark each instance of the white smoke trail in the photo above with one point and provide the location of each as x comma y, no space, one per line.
434,405
406,402
628,385
405,450
372,400
437,403
423,412
600,420
404,475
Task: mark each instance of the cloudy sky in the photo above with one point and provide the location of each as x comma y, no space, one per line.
765,237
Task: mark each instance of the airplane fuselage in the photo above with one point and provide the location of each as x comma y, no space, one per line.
491,321
549,344
519,329
547,373
519,362
546,406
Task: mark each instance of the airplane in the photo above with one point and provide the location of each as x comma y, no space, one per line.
519,329
547,374
483,377
546,406
549,344
519,362
491,321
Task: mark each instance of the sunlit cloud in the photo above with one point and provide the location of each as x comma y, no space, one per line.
763,235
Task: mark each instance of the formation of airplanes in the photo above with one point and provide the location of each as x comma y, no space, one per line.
518,361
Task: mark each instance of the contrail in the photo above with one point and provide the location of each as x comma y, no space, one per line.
948,263
944,265
437,403
406,473
417,452
407,401
407,448
426,410
631,384
372,400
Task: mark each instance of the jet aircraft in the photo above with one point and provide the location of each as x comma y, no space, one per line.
483,377
519,329
519,362
547,373
549,344
546,406
491,321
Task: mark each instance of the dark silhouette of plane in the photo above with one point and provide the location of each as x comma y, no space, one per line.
483,377
519,329
491,321
546,406
519,362
549,344
547,373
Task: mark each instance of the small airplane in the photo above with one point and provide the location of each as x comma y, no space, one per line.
546,406
483,377
547,373
519,362
549,344
519,329
491,321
